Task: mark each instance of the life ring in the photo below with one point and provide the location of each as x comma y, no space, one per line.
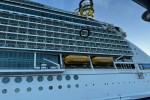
85,29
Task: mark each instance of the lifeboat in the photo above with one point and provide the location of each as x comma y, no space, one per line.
102,61
71,59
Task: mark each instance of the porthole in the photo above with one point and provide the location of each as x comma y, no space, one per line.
68,77
4,91
29,79
59,87
17,90
76,77
50,87
6,80
50,78
29,89
68,86
77,85
40,88
18,79
40,78
59,77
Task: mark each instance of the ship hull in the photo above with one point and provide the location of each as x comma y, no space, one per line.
78,85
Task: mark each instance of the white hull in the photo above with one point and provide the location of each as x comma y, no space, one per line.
95,86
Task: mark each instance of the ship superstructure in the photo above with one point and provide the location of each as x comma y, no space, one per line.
52,51
43,29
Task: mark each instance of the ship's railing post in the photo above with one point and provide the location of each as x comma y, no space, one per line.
61,61
34,59
114,64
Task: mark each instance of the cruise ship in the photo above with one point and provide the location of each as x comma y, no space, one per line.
51,54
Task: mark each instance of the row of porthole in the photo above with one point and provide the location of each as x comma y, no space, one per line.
29,89
18,79
127,82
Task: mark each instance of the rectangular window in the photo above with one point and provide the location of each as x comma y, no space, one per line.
16,60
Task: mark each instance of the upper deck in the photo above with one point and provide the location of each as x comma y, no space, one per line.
30,26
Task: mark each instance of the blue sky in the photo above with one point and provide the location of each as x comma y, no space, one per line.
123,13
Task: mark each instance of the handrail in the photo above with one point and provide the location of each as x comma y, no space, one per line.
119,58
52,62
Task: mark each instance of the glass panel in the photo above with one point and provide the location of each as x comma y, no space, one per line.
16,60
46,60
